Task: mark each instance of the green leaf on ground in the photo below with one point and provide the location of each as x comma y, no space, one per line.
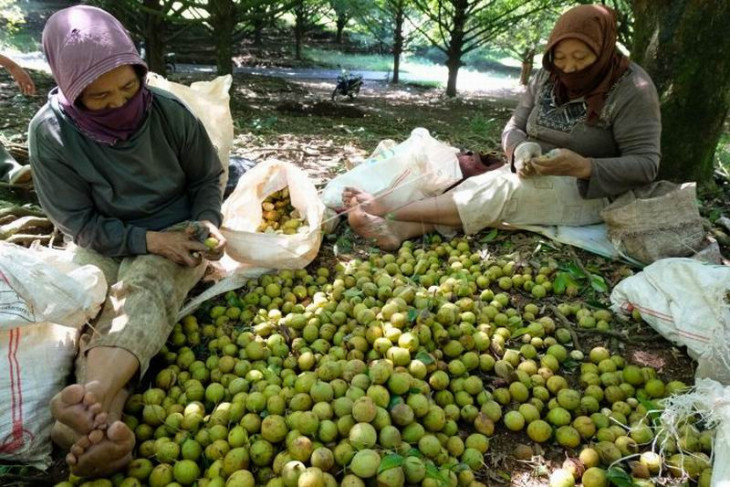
390,461
619,477
598,283
425,357
490,236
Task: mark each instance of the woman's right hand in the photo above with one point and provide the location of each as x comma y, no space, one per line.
177,246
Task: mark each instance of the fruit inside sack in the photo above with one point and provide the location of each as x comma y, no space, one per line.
279,216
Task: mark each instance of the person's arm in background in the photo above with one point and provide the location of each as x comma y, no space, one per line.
65,198
21,76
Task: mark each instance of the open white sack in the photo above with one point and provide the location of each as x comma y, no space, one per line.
210,102
417,168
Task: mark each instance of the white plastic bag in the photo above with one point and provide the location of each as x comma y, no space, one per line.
37,285
417,168
686,301
210,102
242,215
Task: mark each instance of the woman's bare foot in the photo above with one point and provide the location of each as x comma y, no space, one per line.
102,452
64,436
352,197
79,407
373,227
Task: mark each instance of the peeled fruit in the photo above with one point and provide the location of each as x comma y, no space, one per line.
652,460
561,478
311,477
211,243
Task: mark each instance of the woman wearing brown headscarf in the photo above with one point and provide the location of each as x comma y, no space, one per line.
587,129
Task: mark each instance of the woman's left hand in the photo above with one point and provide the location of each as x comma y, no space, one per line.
563,162
216,252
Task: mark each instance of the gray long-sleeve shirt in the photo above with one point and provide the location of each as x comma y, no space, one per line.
623,145
106,197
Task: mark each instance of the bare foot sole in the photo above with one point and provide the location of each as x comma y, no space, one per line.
79,408
373,227
352,197
102,452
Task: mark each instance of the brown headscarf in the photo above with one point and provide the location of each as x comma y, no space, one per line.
595,25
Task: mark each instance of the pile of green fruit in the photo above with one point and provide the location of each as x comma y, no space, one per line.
279,216
396,371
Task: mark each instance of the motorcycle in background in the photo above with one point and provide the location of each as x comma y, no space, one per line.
347,85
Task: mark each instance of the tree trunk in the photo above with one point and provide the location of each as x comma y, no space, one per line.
299,30
223,22
526,72
154,40
341,23
258,31
453,74
527,59
685,47
398,41
456,45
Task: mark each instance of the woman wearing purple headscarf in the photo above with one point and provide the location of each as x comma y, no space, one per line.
131,178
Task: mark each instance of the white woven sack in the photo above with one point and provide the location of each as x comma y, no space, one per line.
686,302
37,287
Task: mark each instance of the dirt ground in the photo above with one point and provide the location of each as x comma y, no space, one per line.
295,121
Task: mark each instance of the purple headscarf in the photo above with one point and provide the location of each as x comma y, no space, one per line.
82,43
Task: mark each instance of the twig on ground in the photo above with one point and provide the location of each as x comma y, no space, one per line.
19,211
644,340
569,325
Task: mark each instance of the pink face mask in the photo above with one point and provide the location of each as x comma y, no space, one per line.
111,125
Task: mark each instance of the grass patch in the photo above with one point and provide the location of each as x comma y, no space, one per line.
363,62
19,40
424,84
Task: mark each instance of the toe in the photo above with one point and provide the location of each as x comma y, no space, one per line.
100,420
72,394
84,442
119,432
96,436
71,459
76,450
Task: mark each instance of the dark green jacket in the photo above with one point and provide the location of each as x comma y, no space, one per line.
107,197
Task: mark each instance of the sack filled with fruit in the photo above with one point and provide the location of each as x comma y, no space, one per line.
273,217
